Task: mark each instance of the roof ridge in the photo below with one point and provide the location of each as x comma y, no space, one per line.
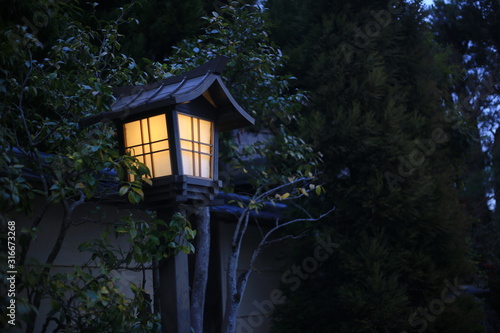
214,66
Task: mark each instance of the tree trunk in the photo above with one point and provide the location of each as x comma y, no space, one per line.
233,298
235,285
200,278
234,291
230,316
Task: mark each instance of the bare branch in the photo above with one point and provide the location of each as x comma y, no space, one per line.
264,242
79,202
301,209
277,240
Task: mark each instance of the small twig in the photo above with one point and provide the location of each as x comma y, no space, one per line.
277,240
302,209
258,198
264,242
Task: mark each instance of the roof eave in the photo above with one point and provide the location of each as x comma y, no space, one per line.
141,99
240,118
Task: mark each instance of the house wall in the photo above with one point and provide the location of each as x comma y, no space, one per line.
82,230
261,292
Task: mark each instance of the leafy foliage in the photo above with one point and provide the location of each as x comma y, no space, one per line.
158,25
240,32
63,70
55,70
92,296
265,164
47,88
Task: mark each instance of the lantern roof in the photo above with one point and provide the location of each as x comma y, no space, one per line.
204,81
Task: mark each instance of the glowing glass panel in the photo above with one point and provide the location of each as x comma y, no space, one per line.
196,141
147,139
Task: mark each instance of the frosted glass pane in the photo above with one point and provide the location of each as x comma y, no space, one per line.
138,137
161,162
158,128
159,145
205,131
206,166
196,138
149,164
132,132
186,145
206,149
187,163
185,128
196,165
136,151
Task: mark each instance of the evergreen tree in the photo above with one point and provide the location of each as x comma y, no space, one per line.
158,25
470,30
380,115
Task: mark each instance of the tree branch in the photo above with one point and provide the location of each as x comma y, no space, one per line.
264,242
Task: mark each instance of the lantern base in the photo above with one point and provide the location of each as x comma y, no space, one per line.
178,189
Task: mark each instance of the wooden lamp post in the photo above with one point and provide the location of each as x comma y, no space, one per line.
172,126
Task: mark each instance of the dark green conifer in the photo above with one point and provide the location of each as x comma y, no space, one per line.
158,25
379,114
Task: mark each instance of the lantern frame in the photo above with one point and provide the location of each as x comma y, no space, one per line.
200,94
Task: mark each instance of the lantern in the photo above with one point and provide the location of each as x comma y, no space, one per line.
172,127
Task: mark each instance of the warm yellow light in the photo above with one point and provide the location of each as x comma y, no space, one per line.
147,139
196,141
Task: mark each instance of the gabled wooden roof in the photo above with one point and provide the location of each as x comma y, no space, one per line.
202,81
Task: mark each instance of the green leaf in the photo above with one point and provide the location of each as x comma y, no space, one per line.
138,191
318,190
123,190
91,295
132,197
